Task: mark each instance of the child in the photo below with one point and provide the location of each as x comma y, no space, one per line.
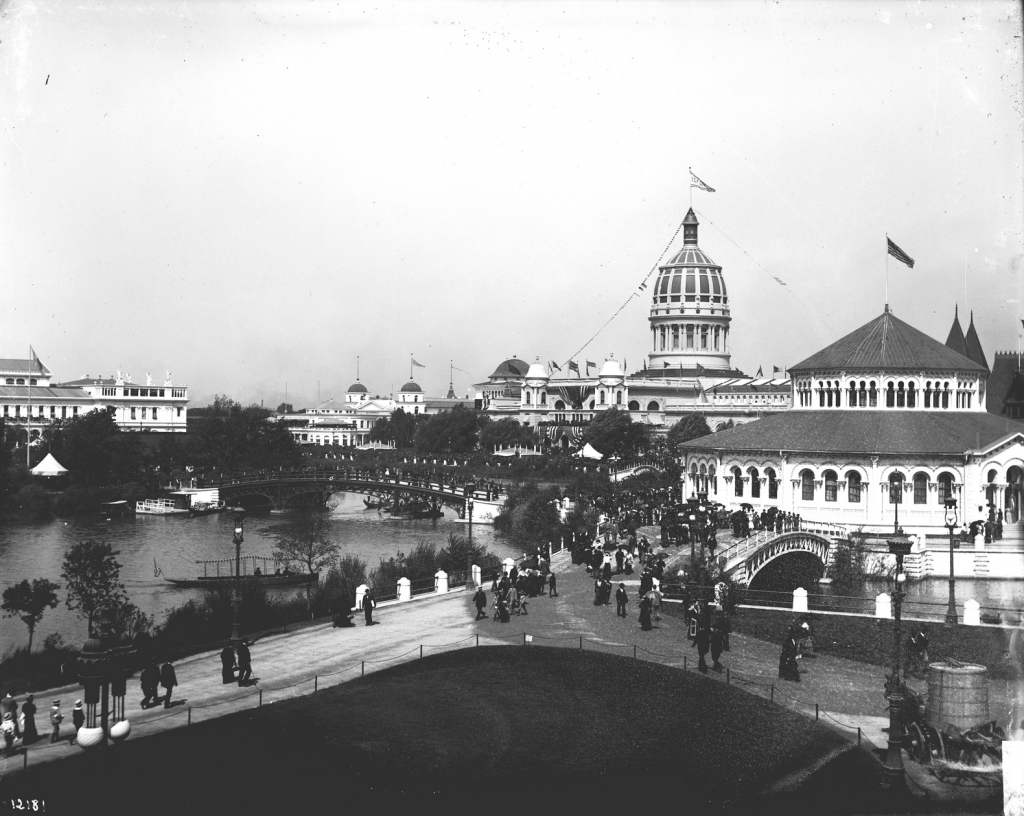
55,720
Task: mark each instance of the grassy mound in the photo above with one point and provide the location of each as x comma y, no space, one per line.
512,723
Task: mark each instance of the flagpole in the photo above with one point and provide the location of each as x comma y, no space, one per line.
691,186
887,271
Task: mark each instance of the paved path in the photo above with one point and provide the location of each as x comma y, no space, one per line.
848,693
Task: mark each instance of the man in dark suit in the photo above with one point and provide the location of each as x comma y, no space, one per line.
168,679
244,663
620,601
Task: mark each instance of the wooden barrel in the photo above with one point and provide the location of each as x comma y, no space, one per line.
957,695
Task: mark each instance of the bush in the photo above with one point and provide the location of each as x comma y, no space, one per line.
31,503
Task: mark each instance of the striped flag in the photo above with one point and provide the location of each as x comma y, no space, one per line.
700,185
590,365
574,366
898,253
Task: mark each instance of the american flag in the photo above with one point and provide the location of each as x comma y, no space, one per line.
898,253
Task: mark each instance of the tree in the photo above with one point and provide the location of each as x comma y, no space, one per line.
95,449
453,431
399,429
309,544
29,602
92,575
537,520
691,426
614,433
505,433
229,437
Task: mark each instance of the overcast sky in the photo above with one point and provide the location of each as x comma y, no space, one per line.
249,194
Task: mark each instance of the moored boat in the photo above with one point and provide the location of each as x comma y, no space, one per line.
160,507
213,581
207,508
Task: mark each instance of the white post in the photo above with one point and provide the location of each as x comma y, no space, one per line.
440,582
477,576
972,613
799,599
979,541
883,606
360,592
507,564
404,589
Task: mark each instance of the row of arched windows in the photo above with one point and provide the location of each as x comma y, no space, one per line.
829,484
687,336
896,394
20,381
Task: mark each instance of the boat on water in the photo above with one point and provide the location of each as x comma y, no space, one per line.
161,507
207,508
214,581
114,509
420,511
268,575
377,504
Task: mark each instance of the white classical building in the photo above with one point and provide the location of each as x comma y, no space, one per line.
884,420
139,406
688,368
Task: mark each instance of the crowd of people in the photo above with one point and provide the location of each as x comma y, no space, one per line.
514,588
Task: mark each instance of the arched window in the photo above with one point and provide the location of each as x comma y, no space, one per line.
591,405
773,483
559,405
896,488
853,485
828,393
712,478
543,398
704,477
872,395
831,487
821,394
890,396
852,397
920,488
527,397
945,487
945,395
928,394
901,396
10,381
911,396
863,396
806,485
602,397
737,477
652,406
694,483
755,483
634,405
20,381
618,398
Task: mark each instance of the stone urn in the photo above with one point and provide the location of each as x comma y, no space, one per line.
120,730
89,737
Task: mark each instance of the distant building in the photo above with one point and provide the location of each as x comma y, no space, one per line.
688,368
139,407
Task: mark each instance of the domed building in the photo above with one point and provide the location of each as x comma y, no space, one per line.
688,368
885,420
411,398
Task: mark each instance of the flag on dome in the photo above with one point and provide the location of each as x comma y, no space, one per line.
700,185
418,365
898,253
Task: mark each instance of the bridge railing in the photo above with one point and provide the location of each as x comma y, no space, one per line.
739,550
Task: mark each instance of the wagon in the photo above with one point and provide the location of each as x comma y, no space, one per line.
946,735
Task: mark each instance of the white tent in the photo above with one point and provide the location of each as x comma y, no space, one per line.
49,467
588,452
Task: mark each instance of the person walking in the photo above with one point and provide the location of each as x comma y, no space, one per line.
703,644
55,720
10,706
717,645
168,679
480,601
77,718
28,711
244,663
7,729
552,585
620,558
787,660
645,614
368,604
620,601
149,680
227,664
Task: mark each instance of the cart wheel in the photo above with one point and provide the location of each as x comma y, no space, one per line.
936,745
919,745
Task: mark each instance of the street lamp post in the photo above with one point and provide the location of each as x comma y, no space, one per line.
950,525
236,627
893,772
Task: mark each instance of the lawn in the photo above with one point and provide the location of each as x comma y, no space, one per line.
504,725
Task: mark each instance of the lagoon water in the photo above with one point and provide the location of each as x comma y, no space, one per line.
30,551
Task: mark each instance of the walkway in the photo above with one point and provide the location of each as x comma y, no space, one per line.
848,693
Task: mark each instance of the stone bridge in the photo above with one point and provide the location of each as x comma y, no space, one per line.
281,487
743,559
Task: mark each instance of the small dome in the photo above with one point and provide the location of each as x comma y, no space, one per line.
611,368
93,645
512,367
357,388
411,388
537,372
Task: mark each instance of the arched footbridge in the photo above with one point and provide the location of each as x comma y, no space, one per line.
748,556
397,489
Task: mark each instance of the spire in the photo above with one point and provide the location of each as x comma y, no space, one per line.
955,340
972,345
690,228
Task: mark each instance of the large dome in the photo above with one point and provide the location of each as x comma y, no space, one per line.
690,277
512,367
357,388
411,388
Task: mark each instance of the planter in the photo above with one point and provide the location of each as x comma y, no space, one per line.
89,737
120,730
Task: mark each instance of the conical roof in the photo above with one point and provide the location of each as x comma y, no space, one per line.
888,344
973,345
955,340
